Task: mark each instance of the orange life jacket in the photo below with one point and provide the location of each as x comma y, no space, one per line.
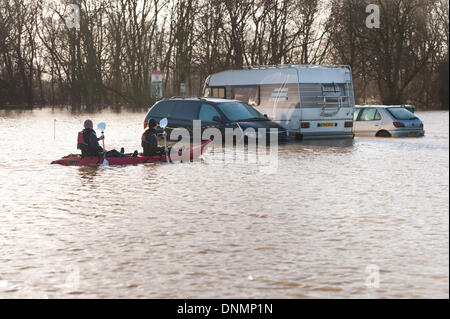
143,137
81,144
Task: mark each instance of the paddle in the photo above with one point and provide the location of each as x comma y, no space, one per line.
163,123
102,127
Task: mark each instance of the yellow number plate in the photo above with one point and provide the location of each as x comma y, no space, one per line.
327,124
413,134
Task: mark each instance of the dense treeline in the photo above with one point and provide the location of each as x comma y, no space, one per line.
106,60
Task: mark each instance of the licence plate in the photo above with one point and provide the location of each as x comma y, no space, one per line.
413,134
327,124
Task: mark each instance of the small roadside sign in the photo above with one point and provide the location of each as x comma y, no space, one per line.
157,77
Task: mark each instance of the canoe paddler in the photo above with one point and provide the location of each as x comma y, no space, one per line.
88,141
89,146
149,140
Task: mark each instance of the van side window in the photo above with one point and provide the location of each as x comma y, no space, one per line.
207,112
185,110
215,92
162,109
247,94
368,114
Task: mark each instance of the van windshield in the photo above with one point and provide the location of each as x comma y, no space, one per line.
400,113
236,111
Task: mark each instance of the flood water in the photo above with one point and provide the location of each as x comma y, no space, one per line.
367,218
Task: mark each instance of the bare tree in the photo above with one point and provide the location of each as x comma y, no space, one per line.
109,58
18,50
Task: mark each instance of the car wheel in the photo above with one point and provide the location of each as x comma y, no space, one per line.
383,133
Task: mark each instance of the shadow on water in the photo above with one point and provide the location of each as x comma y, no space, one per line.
88,173
151,172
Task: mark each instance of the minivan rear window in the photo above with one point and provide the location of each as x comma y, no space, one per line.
162,109
186,110
176,109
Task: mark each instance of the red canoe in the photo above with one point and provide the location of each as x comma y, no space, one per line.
184,154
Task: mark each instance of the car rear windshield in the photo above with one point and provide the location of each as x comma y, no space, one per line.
236,111
400,113
356,113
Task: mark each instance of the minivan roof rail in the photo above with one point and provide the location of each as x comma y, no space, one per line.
306,66
185,97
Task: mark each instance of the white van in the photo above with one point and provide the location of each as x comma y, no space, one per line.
311,101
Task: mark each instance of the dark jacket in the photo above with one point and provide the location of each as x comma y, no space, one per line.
150,143
90,147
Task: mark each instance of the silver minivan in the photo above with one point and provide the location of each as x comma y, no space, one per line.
386,121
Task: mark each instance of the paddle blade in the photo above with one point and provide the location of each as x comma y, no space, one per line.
163,123
101,126
105,162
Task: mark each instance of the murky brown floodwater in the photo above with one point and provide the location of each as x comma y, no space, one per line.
218,229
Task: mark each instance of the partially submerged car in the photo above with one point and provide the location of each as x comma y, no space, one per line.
386,121
216,113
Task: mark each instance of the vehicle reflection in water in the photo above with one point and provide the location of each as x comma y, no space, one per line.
339,143
320,146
